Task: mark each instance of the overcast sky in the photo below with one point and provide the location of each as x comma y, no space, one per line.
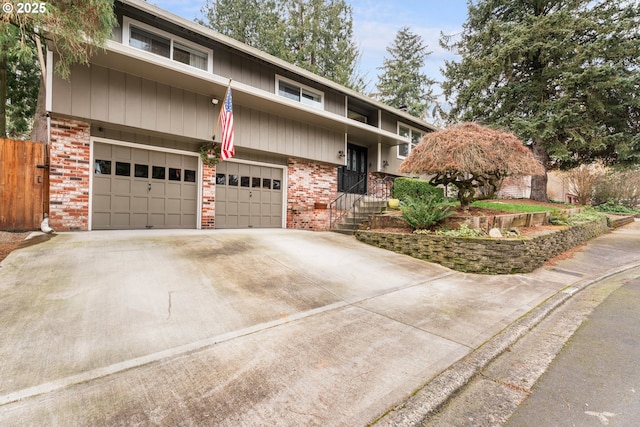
376,23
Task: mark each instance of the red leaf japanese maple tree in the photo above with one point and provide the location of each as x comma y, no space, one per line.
469,156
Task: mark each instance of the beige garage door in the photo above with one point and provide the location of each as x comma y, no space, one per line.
136,188
248,196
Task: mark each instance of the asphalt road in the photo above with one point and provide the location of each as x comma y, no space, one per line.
595,380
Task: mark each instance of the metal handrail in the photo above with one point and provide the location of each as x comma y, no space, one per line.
381,189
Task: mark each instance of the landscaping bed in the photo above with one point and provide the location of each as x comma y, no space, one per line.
527,240
487,255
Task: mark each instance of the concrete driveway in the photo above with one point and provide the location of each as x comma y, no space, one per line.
231,327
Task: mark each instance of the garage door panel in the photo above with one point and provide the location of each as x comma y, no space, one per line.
140,204
101,220
140,187
137,188
141,156
139,220
158,188
121,220
173,190
189,192
102,184
245,195
121,203
121,186
173,220
174,206
157,204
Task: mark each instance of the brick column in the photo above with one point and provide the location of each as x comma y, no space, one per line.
69,170
312,186
208,197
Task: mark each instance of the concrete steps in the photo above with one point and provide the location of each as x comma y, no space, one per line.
366,207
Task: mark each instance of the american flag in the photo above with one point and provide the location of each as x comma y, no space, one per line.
226,119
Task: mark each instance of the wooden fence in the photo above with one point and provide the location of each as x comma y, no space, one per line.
24,184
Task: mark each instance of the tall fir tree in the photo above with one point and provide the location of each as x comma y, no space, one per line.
563,75
316,35
75,28
402,83
255,22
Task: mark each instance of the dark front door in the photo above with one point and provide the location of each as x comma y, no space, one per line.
352,178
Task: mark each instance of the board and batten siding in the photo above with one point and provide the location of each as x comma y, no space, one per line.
111,97
256,74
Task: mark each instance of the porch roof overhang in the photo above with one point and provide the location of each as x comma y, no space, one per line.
149,66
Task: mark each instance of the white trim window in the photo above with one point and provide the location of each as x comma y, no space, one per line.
145,37
300,93
412,135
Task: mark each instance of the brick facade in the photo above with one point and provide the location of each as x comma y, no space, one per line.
69,170
208,197
312,186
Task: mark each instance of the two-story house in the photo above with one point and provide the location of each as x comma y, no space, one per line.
125,133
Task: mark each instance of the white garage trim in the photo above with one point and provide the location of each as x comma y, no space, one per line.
94,139
285,181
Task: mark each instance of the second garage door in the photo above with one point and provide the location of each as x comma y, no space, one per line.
248,196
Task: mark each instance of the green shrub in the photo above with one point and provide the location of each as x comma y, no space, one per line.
559,218
415,188
611,206
423,212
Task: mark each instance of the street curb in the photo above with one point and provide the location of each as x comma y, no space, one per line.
427,400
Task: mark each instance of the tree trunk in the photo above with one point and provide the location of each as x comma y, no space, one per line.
39,130
539,182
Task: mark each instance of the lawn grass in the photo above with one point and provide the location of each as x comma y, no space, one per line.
512,207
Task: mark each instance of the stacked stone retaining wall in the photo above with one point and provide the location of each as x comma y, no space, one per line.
486,255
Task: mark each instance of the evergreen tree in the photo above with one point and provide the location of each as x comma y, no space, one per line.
402,83
255,22
316,35
320,39
75,28
562,74
23,82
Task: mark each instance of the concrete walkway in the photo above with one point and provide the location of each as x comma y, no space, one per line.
259,327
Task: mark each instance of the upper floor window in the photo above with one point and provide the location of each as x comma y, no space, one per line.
300,93
413,135
144,37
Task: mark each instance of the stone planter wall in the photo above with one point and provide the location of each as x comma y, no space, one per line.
616,221
486,255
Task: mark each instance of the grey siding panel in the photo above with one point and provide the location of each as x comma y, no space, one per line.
99,93
133,101
163,108
176,111
81,94
148,113
335,103
205,117
189,113
389,122
117,93
61,99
